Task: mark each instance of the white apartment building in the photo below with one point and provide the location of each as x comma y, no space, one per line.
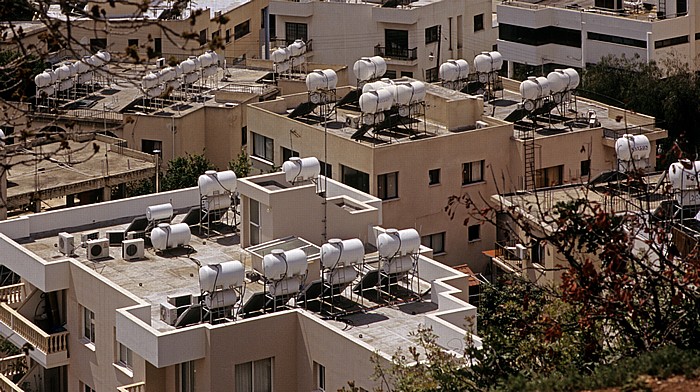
562,33
106,323
414,37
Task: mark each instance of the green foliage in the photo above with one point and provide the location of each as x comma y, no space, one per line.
670,92
17,74
183,172
140,188
241,165
16,10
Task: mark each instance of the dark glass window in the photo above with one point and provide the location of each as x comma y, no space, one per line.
294,31
478,22
355,178
388,186
241,30
432,34
617,40
433,176
664,43
541,36
396,42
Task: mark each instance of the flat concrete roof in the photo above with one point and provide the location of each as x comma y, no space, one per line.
384,324
629,11
50,170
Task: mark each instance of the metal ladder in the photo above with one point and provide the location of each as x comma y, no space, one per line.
528,137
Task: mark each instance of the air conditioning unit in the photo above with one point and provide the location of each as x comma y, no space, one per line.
97,249
133,249
85,237
66,244
352,121
160,62
168,313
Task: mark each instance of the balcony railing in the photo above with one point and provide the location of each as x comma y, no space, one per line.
42,341
137,387
11,366
396,53
13,294
6,385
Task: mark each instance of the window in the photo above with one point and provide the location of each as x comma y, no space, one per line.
86,388
326,169
254,210
263,17
436,242
158,46
407,74
254,376
472,172
215,35
244,135
88,325
125,356
390,74
388,186
295,31
613,39
432,34
241,30
585,168
228,35
287,153
263,147
478,22
681,7
355,178
151,146
97,44
185,377
203,36
320,376
551,176
542,36
433,176
474,233
396,42
664,43
431,74
133,42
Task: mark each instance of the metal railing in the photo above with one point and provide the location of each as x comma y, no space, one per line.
77,114
13,294
136,387
635,130
245,88
396,53
42,341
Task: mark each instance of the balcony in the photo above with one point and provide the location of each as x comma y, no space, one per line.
396,53
137,387
50,350
13,295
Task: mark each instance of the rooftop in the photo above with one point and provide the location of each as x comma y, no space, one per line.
641,10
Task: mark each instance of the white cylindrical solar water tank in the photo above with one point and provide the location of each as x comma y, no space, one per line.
149,81
342,253
488,62
221,299
96,61
215,58
319,79
43,79
374,86
448,71
197,62
376,101
210,71
166,236
418,91
558,81
63,72
340,275
187,66
280,264
301,168
227,274
73,68
530,89
154,92
206,59
286,286
379,66
191,77
297,48
65,84
104,56
83,65
168,74
683,175
632,147
574,78
398,265
213,182
174,84
368,68
398,242
85,78
463,66
217,202
178,70
159,211
299,60
278,56
544,86
48,90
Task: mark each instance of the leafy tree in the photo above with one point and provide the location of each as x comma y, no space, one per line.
17,75
183,172
241,165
